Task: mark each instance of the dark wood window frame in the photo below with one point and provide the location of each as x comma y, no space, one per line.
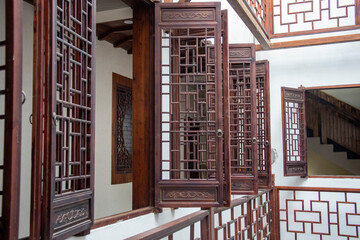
301,166
11,119
121,94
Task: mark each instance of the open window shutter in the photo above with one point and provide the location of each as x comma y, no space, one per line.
243,141
263,124
226,107
10,118
294,132
189,166
68,158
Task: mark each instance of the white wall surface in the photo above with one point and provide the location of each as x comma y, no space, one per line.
323,65
109,199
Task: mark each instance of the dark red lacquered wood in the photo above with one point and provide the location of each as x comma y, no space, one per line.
294,131
189,138
263,124
243,130
68,138
11,120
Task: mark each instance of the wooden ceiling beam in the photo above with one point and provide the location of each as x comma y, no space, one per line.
122,41
250,20
116,29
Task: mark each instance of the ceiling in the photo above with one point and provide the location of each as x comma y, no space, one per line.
350,96
104,5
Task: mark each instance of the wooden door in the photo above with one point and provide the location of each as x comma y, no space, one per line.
66,161
10,118
189,167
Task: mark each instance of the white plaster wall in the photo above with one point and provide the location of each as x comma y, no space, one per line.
109,199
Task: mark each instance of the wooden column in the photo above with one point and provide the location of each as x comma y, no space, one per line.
143,105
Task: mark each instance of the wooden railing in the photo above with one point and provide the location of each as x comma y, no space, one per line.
317,213
291,18
249,217
332,119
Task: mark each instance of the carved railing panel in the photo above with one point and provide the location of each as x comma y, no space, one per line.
291,17
247,218
294,132
318,213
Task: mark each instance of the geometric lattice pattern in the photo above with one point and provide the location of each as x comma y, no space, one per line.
247,218
240,117
292,16
123,108
73,95
319,214
294,131
188,104
261,127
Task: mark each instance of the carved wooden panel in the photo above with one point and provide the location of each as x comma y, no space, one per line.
68,162
294,132
189,109
293,17
319,213
247,218
122,130
243,150
263,124
10,116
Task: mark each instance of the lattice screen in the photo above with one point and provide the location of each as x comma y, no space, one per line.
123,123
243,151
69,118
294,132
189,104
263,124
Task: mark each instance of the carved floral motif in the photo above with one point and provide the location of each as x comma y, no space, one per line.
240,52
189,194
71,215
188,15
293,95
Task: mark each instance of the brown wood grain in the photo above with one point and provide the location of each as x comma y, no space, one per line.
143,110
37,122
12,120
311,42
101,222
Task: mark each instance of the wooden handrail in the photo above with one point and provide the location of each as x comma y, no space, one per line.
171,227
332,119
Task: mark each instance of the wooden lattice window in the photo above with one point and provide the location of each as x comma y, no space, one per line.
189,166
263,124
294,132
243,150
121,169
68,99
10,116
